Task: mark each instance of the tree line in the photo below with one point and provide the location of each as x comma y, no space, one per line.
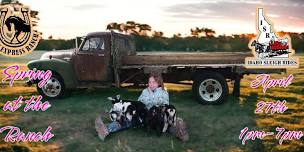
198,39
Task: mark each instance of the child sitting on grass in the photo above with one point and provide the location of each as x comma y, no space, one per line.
154,95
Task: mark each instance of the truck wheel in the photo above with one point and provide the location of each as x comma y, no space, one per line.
53,89
210,88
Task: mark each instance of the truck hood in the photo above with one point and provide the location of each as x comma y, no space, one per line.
60,54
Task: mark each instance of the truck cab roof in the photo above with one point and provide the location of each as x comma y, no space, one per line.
108,34
98,33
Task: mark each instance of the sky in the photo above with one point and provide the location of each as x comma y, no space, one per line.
70,18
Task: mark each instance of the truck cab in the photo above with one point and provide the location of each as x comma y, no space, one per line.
92,64
94,50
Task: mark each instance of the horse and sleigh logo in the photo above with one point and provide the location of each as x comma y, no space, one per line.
268,49
272,49
17,35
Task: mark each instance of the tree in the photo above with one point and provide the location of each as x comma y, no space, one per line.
199,32
195,32
178,35
113,26
208,32
130,27
157,34
143,29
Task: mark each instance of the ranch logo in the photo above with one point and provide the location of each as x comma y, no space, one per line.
269,50
17,36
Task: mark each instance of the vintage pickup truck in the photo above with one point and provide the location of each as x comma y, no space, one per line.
106,59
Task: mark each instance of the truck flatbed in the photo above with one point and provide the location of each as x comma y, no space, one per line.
165,60
185,58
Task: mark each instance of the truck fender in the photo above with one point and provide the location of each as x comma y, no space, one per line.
61,67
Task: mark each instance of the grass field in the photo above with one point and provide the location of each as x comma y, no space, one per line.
211,128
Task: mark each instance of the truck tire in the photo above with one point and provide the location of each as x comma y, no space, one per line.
54,88
210,88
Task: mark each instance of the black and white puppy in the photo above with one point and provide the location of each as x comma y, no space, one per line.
116,115
134,111
161,118
117,104
169,115
155,119
132,116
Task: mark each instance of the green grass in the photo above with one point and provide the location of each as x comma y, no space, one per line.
211,128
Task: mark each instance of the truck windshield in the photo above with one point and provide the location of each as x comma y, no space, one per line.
93,44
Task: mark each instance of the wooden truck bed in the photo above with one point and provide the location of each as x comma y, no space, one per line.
177,58
235,60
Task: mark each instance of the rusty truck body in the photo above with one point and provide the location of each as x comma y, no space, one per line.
106,59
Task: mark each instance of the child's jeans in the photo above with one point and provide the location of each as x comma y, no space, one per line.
115,126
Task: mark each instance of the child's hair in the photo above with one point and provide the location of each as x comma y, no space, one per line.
158,78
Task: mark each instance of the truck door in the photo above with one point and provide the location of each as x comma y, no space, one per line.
90,63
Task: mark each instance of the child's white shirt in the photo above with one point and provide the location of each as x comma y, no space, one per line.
151,98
